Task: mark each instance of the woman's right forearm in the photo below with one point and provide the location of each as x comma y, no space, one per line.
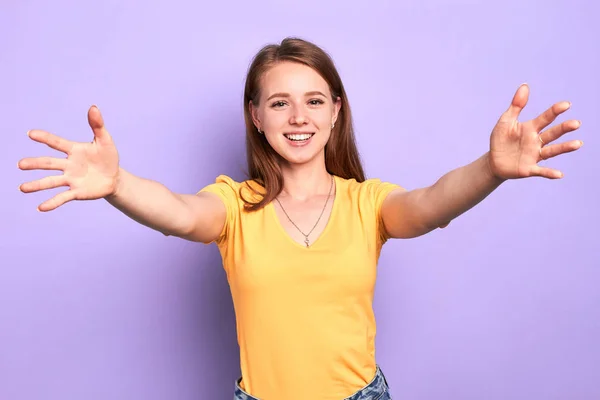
151,204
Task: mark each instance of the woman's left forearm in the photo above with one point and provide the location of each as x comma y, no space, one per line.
457,191
517,148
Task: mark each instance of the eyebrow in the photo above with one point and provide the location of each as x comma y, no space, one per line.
313,93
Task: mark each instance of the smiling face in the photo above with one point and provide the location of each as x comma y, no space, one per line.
295,112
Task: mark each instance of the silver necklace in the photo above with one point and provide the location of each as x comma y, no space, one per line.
306,241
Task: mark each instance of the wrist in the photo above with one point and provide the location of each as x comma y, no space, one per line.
490,170
117,187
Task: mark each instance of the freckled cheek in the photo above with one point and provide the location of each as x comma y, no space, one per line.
276,120
323,122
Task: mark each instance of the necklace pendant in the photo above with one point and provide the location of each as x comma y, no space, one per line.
306,241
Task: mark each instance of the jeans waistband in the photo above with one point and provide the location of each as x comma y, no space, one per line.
372,391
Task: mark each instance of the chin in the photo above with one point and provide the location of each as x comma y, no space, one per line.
302,159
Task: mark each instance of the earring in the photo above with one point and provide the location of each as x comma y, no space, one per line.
259,131
332,125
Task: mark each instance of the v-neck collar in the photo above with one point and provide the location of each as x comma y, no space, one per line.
330,220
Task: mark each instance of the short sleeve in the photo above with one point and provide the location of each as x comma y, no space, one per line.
228,191
378,192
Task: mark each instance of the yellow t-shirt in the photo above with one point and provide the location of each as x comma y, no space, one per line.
304,316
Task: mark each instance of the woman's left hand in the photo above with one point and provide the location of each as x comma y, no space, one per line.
516,147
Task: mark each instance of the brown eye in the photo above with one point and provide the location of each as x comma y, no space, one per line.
315,102
278,104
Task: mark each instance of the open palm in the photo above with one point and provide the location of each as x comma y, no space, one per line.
516,147
90,169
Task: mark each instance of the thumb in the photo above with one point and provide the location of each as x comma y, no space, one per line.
518,102
97,124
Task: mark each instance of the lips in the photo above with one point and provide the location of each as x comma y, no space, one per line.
299,139
299,136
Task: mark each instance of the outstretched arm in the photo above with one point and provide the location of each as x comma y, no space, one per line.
91,171
515,151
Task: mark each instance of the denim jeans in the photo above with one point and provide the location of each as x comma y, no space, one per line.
377,389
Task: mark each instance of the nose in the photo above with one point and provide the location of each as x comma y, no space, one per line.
298,117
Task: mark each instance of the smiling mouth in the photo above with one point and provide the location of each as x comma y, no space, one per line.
298,137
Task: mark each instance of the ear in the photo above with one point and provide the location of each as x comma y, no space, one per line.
336,109
254,114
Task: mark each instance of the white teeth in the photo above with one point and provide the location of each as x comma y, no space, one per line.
301,136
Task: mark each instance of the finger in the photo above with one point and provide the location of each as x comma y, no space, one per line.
46,163
518,102
560,148
53,141
49,182
545,172
57,201
548,116
96,122
557,131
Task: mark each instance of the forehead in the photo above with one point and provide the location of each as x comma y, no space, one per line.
293,78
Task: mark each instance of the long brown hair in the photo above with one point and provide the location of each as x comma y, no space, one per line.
341,155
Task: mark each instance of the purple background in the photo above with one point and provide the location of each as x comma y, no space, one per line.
503,304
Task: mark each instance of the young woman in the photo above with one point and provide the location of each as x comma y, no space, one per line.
301,238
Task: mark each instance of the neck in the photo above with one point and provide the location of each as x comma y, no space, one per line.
302,182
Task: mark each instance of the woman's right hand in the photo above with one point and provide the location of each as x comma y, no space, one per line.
91,170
